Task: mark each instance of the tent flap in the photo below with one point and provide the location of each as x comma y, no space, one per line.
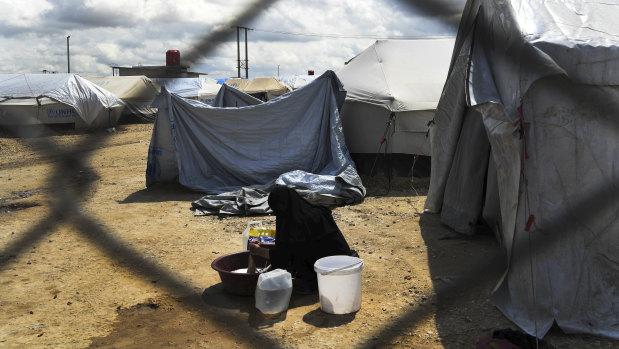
544,78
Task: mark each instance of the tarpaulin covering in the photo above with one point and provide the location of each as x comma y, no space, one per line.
238,154
404,77
87,99
531,103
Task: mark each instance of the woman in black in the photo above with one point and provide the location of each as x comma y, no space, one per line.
304,234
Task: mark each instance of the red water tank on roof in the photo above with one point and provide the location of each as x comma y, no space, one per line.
173,57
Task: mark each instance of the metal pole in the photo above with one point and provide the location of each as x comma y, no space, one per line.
278,70
238,51
246,58
68,61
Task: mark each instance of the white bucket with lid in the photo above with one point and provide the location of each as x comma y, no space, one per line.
339,284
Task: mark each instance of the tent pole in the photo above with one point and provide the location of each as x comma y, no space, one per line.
68,61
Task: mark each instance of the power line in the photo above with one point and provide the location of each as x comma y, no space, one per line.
344,36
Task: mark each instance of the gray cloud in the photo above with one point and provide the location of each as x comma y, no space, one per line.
111,33
74,14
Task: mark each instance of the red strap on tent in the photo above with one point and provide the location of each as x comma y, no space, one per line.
383,140
529,223
524,139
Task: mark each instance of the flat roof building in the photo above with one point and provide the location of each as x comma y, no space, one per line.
172,69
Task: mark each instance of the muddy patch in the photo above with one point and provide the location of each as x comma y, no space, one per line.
20,195
184,322
10,208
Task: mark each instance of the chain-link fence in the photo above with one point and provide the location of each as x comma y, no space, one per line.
67,197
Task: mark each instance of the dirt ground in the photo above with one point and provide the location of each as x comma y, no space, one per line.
91,258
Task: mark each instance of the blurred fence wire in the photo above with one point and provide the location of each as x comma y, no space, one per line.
74,160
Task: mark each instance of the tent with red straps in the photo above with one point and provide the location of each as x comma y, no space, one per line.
393,88
525,138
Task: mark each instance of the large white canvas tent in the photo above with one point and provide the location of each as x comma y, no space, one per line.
261,88
30,99
137,92
526,137
403,77
239,154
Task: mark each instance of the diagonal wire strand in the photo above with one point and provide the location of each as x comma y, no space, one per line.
443,11
220,34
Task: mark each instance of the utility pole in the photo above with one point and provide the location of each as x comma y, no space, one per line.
245,62
68,61
238,51
246,57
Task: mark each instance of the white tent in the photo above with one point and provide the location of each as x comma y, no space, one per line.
27,99
403,77
229,97
296,81
261,88
203,88
526,136
137,92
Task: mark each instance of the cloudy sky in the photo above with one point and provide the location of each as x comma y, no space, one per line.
296,35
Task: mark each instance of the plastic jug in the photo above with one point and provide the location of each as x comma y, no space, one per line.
273,291
254,224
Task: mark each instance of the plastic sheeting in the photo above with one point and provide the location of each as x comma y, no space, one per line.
229,97
400,76
87,99
544,78
237,154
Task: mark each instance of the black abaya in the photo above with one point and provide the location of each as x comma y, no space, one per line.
304,234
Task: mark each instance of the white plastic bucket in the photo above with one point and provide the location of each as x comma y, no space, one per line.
339,284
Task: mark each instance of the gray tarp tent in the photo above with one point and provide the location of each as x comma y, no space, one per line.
525,137
238,154
27,99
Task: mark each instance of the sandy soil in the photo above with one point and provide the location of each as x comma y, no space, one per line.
91,258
